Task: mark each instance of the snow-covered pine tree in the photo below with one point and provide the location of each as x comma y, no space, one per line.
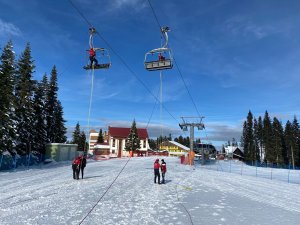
132,142
100,137
7,111
24,101
56,129
40,126
50,105
60,129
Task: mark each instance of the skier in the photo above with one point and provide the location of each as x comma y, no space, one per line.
156,171
163,169
76,167
82,165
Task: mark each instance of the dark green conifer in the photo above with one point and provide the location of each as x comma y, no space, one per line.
7,99
132,142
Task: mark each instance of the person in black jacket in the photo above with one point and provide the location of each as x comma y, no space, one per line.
82,165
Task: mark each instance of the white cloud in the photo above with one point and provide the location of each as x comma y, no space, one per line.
242,25
118,4
9,29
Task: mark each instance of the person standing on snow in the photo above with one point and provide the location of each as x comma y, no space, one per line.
163,168
156,171
76,167
82,165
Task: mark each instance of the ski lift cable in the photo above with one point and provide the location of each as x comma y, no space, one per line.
81,14
133,73
152,112
179,71
107,189
90,105
158,23
123,61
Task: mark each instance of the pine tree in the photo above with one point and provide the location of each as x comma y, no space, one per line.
267,138
248,139
51,104
39,124
76,134
296,135
290,143
278,141
132,142
100,137
259,136
152,144
82,145
56,129
24,102
7,115
256,140
59,129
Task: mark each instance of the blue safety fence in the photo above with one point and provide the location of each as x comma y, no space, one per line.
11,162
271,171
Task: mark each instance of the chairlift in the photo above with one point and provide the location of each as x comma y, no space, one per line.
103,58
159,58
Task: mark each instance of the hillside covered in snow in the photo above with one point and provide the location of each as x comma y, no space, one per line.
122,191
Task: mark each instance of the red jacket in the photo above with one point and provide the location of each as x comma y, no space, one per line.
163,167
92,52
156,165
76,161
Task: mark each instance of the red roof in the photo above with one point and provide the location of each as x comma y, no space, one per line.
121,132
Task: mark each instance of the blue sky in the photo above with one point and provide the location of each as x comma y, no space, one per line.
234,56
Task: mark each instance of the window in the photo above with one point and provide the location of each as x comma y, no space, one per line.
144,144
113,143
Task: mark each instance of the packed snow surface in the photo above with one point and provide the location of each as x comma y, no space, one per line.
113,194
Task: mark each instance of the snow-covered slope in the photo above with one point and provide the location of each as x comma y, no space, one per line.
191,195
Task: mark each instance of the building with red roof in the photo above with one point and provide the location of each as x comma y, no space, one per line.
114,143
117,138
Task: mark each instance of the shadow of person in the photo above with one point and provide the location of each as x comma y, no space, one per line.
91,177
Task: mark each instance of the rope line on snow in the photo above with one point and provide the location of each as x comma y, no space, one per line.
105,192
190,217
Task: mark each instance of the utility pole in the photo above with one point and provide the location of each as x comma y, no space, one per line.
192,122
